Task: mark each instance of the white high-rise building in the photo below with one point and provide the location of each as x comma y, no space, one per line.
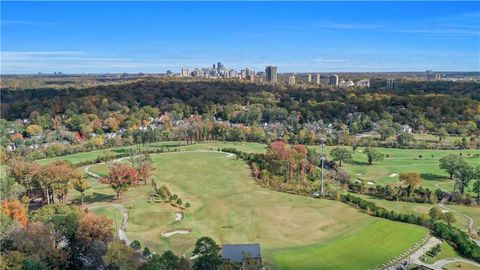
291,80
185,72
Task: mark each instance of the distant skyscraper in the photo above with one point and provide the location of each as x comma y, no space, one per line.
363,83
291,80
333,80
309,78
429,72
392,83
317,78
185,72
232,73
271,72
243,74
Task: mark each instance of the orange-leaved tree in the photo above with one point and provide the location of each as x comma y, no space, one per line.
121,177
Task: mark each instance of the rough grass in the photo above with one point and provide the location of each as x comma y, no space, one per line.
460,266
230,207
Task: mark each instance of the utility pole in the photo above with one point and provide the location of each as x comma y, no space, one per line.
116,228
322,159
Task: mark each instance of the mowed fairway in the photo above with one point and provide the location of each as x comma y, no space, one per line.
366,248
405,160
230,207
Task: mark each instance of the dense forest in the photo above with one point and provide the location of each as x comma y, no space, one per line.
428,104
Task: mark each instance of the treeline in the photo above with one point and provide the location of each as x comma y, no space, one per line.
290,168
266,103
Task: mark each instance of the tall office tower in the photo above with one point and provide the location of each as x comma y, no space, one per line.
219,66
317,78
251,75
333,80
429,72
243,74
232,73
185,72
291,80
392,83
271,72
309,78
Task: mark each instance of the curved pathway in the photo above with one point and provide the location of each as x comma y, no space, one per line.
122,231
415,258
441,263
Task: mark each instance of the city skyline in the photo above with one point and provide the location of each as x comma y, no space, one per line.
153,37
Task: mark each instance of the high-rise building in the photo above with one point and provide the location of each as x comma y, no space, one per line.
309,78
392,83
317,78
363,83
291,80
271,72
185,72
333,80
243,74
232,73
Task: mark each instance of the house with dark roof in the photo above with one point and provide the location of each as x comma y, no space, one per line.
242,257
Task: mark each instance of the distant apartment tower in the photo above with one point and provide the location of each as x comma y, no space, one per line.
309,78
243,74
392,83
291,80
333,80
185,72
317,78
271,72
363,83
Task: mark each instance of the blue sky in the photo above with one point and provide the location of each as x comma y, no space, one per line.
93,37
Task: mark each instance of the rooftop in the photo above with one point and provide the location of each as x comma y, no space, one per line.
238,252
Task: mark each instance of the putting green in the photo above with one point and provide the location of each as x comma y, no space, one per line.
230,207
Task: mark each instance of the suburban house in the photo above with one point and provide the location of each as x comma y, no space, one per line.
242,257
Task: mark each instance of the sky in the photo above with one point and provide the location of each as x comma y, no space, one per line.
152,37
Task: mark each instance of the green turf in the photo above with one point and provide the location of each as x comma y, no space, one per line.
405,160
230,207
423,208
363,249
446,252
181,146
460,266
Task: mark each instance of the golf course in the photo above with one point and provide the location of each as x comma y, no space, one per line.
229,206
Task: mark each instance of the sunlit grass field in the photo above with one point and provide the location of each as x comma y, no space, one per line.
230,207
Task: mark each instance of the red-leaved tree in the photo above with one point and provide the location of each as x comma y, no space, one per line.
121,177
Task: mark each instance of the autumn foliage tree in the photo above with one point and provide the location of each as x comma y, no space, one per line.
16,210
93,235
24,174
56,179
411,179
288,160
121,177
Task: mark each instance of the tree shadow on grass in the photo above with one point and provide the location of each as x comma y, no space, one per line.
97,197
433,177
358,163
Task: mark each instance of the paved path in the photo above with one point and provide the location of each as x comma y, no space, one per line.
441,263
122,231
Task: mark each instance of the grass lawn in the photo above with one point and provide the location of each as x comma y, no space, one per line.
446,252
460,266
423,208
405,160
230,207
365,248
181,146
